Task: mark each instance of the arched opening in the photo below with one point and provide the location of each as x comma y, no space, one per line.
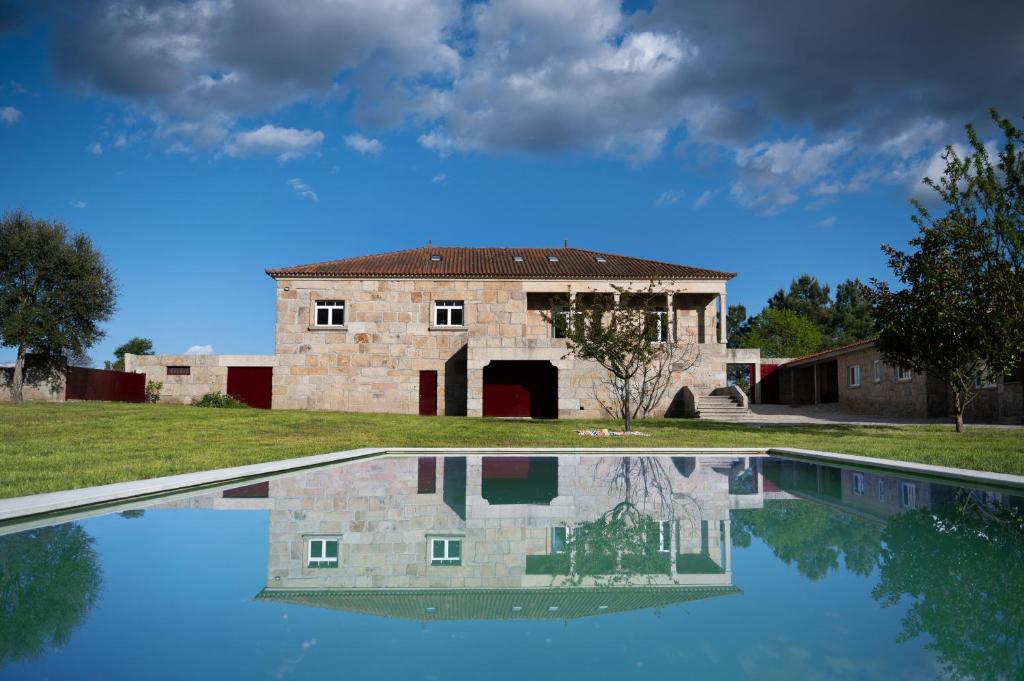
523,388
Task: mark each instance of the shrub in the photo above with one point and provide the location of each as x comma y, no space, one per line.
153,389
219,400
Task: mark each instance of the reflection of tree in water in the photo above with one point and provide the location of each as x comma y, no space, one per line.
49,579
963,569
811,536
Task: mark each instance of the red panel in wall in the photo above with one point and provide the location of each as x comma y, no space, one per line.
252,385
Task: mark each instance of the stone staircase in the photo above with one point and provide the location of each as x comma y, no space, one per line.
721,407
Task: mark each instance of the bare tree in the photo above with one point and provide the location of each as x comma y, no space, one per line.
628,336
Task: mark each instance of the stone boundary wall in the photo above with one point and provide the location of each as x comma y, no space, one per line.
207,373
31,392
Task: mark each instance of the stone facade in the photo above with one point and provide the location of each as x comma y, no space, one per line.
372,362
903,398
385,525
207,373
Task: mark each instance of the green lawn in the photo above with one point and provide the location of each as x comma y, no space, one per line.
48,447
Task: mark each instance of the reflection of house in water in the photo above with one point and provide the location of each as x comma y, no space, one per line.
482,537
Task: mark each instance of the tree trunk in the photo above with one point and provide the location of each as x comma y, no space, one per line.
627,415
19,376
959,405
960,421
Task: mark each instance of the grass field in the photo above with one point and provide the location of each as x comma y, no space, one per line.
49,447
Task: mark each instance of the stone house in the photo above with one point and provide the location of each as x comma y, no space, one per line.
462,331
856,379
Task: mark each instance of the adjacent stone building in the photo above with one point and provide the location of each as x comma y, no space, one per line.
856,379
462,331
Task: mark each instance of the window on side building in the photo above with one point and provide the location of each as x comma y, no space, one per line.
445,551
179,371
665,536
449,313
322,552
876,371
329,313
902,374
853,372
559,538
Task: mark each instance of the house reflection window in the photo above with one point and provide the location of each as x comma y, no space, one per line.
445,551
858,483
559,538
881,490
322,552
908,495
665,536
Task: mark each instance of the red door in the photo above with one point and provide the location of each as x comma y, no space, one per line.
252,385
428,393
769,384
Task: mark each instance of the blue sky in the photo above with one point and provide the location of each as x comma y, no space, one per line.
200,143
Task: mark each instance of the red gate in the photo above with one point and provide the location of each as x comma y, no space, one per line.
769,384
252,385
428,393
101,384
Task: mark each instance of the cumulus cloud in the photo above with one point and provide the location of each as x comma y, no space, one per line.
364,144
9,115
500,77
77,204
827,222
704,198
96,149
303,189
440,178
669,197
199,350
285,143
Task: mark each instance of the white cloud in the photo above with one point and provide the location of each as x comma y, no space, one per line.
772,173
436,140
668,197
827,222
440,178
364,144
95,149
120,142
704,199
199,350
9,115
303,189
77,204
286,143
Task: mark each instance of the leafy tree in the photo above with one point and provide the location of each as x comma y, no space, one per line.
55,290
963,297
807,298
852,317
811,536
621,334
49,579
136,346
962,571
737,325
782,333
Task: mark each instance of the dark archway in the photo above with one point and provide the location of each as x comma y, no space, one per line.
524,388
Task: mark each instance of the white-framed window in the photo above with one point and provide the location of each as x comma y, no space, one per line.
908,495
449,313
858,483
983,381
445,551
665,536
559,311
853,374
876,371
329,313
559,539
881,489
659,317
902,374
322,552
552,258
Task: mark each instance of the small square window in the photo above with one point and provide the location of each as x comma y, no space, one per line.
902,374
179,371
858,483
449,313
600,258
552,258
322,553
330,313
445,551
517,258
435,257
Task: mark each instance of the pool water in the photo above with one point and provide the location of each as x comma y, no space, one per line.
517,567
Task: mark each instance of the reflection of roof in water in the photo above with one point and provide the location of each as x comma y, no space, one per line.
495,604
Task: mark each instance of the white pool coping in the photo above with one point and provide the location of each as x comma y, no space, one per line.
38,510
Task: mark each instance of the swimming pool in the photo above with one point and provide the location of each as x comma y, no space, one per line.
516,566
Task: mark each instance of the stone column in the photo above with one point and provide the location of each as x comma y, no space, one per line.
722,313
670,316
727,566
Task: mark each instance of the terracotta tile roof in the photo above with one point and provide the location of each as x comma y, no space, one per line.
831,352
498,263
